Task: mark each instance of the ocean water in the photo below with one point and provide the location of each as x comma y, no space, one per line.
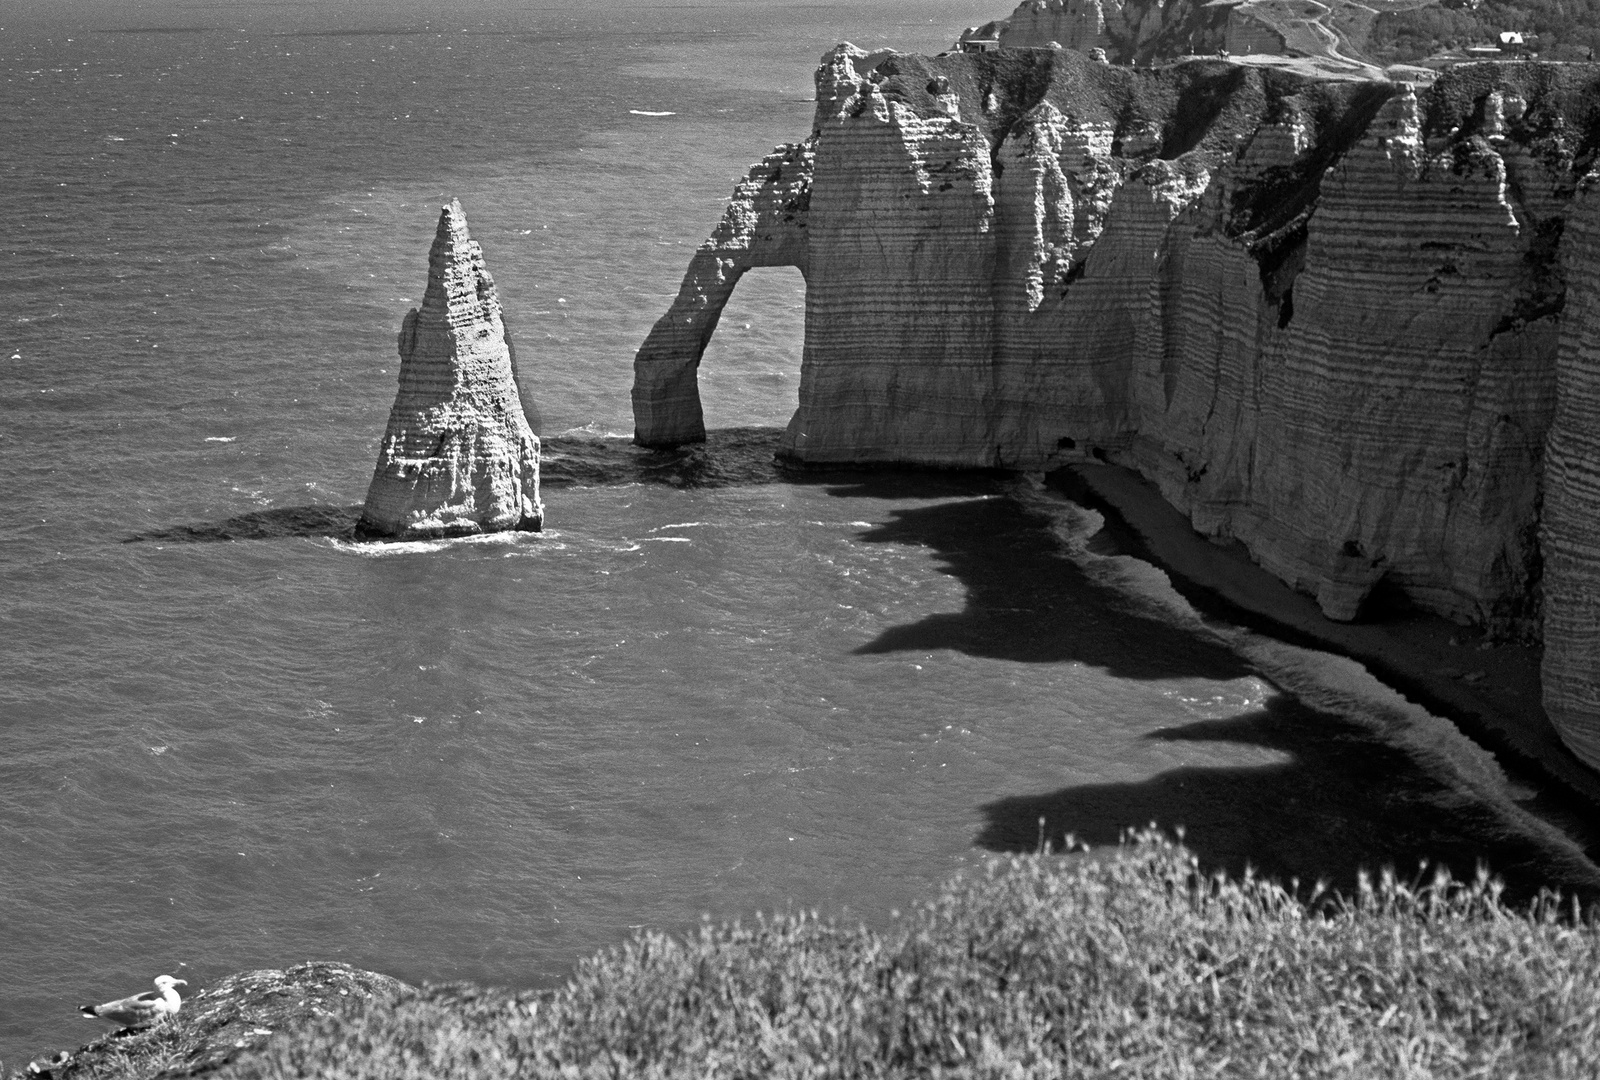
232,738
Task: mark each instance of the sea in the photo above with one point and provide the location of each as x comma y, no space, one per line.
231,737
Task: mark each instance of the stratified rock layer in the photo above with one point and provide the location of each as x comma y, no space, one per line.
1570,532
458,456
1323,316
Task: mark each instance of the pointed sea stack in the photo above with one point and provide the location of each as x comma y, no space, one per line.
458,456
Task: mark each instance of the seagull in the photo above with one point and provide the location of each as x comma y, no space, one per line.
140,1010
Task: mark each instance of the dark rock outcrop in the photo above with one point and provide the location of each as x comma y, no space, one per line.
458,456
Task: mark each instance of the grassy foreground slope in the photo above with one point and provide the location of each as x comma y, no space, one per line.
1127,965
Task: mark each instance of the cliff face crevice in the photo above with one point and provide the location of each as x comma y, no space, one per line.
458,456
1326,318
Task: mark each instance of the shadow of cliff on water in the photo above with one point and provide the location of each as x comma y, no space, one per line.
1027,603
729,457
1343,802
274,524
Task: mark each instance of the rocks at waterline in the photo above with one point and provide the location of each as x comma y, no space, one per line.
458,456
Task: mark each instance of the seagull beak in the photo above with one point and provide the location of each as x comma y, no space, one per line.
185,982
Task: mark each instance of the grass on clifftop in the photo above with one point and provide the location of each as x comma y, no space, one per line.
1120,964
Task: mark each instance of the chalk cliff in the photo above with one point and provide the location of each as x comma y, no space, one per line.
458,456
1324,316
1570,529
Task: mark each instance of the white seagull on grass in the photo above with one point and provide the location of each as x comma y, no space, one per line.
140,1010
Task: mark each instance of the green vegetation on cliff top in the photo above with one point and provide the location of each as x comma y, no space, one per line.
1132,965
1565,29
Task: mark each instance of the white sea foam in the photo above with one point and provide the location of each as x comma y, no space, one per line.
378,549
593,429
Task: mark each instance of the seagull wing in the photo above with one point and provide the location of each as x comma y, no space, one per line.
144,1008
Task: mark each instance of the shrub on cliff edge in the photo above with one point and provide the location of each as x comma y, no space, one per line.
1128,965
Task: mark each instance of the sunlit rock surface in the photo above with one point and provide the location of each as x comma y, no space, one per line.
1322,315
458,456
1143,32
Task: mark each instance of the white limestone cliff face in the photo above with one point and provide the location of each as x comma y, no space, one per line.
1570,527
458,456
1322,316
898,312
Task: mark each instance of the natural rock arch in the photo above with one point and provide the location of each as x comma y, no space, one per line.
765,225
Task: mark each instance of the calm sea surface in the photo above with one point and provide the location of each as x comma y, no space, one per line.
229,738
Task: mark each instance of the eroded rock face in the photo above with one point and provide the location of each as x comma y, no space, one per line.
1570,530
1323,316
899,318
458,456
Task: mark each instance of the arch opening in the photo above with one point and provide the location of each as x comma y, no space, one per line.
764,226
752,361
